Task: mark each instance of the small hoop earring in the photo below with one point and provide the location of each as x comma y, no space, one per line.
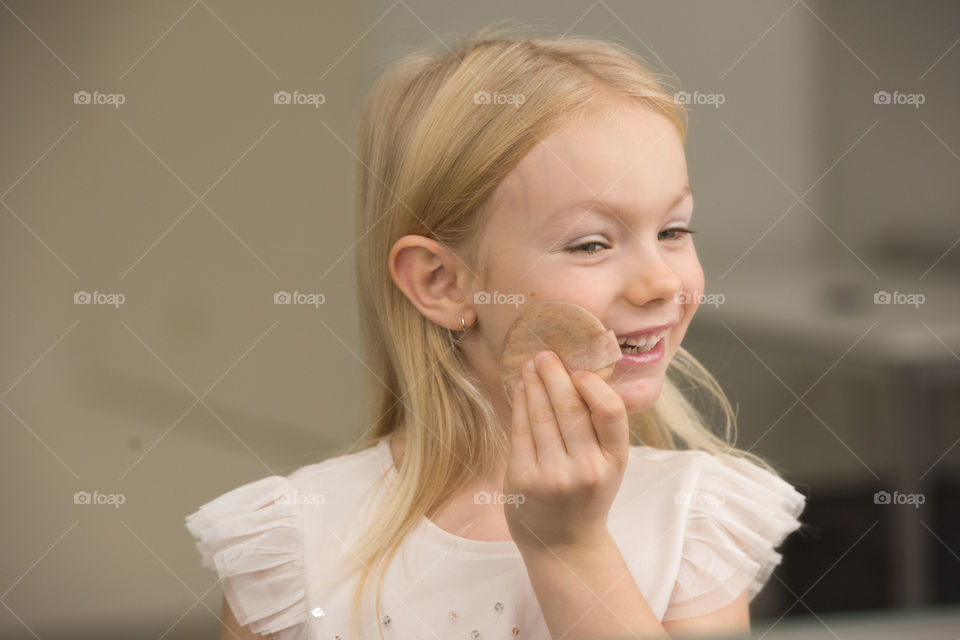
463,324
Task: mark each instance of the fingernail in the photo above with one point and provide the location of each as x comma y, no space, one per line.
528,365
543,356
520,385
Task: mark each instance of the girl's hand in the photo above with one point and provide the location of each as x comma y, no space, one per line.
569,449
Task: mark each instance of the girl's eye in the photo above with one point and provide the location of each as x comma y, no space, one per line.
594,247
580,248
679,230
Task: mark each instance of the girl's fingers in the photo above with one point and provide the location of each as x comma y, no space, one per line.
607,411
543,423
573,416
523,451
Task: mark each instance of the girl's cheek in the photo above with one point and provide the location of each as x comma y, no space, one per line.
693,287
688,312
695,276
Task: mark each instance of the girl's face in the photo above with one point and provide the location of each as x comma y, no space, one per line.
594,215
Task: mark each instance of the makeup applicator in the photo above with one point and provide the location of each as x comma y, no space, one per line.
573,333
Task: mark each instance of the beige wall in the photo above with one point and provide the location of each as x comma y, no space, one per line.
108,398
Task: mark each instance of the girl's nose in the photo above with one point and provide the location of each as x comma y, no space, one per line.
652,280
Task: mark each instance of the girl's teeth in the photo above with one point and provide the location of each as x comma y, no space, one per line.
644,349
641,345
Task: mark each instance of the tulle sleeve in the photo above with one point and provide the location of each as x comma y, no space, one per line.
738,514
253,537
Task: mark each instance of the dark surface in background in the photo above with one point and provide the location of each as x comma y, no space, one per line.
946,563
862,574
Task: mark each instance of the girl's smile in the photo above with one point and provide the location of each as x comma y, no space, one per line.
640,355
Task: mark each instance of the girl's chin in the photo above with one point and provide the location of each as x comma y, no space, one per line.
640,395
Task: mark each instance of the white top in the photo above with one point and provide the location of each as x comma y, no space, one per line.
695,530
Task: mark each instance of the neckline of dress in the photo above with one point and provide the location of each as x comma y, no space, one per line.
433,532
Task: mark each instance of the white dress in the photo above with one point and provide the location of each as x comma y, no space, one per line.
695,530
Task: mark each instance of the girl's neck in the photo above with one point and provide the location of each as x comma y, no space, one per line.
461,515
490,482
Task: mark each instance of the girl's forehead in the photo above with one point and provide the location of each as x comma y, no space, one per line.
637,162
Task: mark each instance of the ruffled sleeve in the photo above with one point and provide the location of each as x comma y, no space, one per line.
253,537
738,514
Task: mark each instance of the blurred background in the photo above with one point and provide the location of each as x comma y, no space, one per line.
155,198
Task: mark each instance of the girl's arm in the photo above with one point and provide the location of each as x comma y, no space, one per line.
231,628
569,448
592,594
733,618
588,594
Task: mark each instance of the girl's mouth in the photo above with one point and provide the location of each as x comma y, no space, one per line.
642,344
642,351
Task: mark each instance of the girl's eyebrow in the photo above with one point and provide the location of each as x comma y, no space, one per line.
556,218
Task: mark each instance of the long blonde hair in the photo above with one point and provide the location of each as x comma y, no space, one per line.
429,157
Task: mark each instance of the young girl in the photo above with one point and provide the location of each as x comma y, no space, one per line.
509,171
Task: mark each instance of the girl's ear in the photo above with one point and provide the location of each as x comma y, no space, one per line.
433,279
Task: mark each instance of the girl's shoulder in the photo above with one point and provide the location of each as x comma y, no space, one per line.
734,514
721,487
724,468
683,456
350,472
254,535
646,459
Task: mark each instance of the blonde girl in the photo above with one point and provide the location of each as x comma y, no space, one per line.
506,171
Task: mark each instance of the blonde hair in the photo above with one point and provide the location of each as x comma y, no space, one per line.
429,157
